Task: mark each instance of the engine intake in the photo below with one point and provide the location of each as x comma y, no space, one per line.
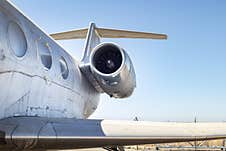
107,58
113,70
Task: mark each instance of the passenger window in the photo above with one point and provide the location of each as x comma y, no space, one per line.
45,55
17,39
64,68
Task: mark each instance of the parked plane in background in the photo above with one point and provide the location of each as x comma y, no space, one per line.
46,95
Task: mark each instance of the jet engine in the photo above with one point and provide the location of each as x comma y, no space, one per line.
113,70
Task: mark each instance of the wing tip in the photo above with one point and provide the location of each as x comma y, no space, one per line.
165,36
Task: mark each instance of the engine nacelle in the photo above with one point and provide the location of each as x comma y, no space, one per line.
113,70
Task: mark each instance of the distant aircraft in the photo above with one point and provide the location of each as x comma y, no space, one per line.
46,95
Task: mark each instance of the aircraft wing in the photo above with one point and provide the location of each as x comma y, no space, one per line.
45,133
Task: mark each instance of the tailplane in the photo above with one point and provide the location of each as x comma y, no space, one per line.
106,33
93,35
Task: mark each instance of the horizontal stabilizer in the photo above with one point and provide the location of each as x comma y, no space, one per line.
106,33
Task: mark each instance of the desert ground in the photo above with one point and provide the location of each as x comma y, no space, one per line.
216,145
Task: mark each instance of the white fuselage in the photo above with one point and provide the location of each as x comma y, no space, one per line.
32,75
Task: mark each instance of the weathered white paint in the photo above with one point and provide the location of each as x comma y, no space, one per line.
27,87
161,129
31,87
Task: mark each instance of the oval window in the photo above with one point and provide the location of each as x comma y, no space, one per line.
45,55
63,68
17,39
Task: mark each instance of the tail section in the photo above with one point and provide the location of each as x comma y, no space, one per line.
107,66
106,33
93,35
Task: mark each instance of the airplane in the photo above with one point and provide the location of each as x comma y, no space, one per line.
46,95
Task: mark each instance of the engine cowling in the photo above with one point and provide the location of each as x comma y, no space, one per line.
113,70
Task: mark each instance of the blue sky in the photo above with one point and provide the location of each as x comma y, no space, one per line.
177,79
